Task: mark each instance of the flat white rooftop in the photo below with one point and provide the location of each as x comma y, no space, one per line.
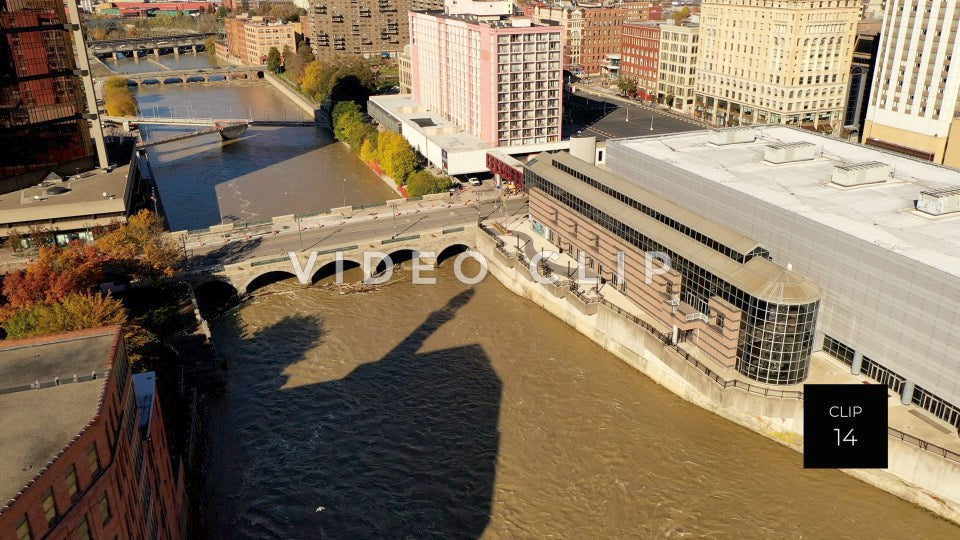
884,213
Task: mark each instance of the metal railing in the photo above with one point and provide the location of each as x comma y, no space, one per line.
928,446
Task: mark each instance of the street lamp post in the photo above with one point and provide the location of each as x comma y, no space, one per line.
394,207
651,120
343,191
300,233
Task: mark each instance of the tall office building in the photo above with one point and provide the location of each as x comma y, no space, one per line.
915,102
776,62
499,79
365,27
43,121
862,69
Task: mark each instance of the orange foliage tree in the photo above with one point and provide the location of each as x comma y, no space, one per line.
56,273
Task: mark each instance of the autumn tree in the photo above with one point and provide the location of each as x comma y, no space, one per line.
368,150
117,97
76,311
56,273
396,156
141,248
627,86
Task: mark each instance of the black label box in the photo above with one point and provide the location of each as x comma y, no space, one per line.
844,426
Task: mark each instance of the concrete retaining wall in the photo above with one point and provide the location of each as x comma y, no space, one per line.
298,99
914,474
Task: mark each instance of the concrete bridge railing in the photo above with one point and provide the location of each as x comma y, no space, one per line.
248,275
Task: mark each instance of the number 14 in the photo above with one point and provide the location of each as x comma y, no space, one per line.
846,438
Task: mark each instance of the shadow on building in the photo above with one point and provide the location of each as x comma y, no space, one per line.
403,447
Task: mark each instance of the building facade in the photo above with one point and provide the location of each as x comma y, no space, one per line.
591,34
372,28
405,71
84,445
876,231
500,80
43,123
861,75
784,62
915,102
250,39
640,56
676,76
642,11
719,289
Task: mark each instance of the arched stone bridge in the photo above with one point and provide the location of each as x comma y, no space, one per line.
183,76
249,275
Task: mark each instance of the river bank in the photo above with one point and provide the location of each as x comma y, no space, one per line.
914,474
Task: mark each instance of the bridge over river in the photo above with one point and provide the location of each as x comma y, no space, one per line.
148,44
249,258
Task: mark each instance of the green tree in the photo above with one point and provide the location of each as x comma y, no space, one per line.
344,108
273,60
682,14
423,182
357,134
627,86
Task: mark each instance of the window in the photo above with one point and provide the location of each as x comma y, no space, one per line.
93,459
104,506
23,529
72,489
49,507
83,530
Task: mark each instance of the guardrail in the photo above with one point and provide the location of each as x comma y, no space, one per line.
929,447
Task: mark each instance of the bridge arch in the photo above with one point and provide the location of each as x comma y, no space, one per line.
214,295
450,252
267,278
397,256
172,80
150,81
329,270
195,78
217,78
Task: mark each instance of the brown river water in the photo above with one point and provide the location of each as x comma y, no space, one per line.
450,411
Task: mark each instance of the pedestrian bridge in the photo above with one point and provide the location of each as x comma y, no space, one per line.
246,276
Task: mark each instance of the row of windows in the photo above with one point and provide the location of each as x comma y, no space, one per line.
883,375
666,220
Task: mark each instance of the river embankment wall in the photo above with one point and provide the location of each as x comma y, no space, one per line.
914,472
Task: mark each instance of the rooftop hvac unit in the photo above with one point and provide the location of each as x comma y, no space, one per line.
938,202
737,135
859,174
790,152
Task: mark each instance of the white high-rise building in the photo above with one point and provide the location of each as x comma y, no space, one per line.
915,103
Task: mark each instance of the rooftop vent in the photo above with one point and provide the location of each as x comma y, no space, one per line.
858,174
790,152
724,137
938,202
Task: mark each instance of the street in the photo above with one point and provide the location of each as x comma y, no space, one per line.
607,117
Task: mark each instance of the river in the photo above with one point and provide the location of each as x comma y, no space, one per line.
269,171
453,412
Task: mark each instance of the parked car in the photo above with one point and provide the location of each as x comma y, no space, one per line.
474,181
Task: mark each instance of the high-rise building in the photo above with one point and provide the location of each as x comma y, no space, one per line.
915,102
365,27
44,124
679,43
640,56
783,62
499,79
84,446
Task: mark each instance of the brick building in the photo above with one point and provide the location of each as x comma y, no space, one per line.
591,33
365,27
251,38
640,56
84,448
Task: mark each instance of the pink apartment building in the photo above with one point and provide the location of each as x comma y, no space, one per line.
498,78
